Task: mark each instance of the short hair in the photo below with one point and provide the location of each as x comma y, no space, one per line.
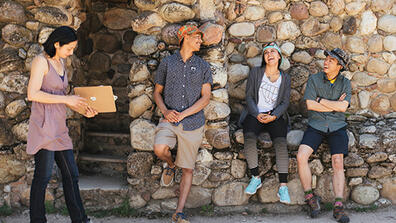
181,43
63,35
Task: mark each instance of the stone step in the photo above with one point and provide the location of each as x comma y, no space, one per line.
100,192
108,149
100,182
102,164
101,158
116,143
107,134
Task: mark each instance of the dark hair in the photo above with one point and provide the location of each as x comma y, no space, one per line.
63,35
263,63
181,43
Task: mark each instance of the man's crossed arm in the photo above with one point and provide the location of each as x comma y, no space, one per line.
325,105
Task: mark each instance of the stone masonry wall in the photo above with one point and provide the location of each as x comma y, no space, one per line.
235,32
120,38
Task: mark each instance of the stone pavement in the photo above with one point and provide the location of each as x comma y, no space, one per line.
386,215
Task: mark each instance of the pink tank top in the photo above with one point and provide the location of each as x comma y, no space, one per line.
47,123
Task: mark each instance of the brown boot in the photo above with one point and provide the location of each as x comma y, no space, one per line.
167,176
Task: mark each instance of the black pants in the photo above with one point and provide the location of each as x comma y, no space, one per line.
277,128
278,131
44,162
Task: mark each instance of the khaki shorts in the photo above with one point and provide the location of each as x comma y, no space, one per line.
188,142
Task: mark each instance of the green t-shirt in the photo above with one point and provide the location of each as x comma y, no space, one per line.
319,86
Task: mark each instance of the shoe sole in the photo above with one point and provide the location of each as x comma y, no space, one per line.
258,187
173,221
315,214
283,202
341,221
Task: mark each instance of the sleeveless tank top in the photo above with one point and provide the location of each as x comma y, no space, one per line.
47,123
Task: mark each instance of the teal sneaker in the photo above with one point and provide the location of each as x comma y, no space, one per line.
254,185
283,194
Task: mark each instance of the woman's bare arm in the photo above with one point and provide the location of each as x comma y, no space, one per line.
38,71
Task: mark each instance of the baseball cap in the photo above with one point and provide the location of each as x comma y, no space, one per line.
340,55
188,29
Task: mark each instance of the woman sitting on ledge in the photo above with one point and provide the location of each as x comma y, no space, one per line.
267,99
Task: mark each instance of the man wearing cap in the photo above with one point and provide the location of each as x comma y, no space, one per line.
182,89
328,95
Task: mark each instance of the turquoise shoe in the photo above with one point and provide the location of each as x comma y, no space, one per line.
283,194
254,185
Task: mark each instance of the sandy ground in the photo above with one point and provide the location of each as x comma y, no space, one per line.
387,215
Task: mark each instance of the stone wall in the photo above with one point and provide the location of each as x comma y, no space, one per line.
122,42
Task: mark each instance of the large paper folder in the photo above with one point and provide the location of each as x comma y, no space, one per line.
101,98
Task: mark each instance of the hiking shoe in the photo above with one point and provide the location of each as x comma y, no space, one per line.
314,206
283,194
167,176
340,215
254,185
179,218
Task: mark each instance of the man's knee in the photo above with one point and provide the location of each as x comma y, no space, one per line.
304,152
160,150
187,171
338,162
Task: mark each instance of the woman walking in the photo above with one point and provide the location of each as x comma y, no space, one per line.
48,139
267,99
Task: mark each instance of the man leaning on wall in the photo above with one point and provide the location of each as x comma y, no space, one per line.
328,95
182,89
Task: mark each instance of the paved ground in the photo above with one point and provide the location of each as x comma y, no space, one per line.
387,215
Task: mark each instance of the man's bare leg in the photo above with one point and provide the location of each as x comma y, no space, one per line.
304,152
185,186
337,161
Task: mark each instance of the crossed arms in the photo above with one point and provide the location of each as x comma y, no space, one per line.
325,105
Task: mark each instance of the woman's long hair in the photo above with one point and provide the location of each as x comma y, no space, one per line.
63,35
